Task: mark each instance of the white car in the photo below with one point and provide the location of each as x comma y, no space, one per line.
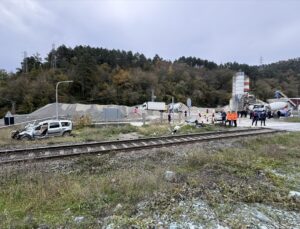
218,117
44,129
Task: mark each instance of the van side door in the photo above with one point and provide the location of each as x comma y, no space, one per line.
54,128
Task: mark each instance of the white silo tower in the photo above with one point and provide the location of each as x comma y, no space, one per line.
240,87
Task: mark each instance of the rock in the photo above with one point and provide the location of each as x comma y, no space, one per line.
260,216
262,227
173,226
118,207
294,195
170,176
221,227
78,219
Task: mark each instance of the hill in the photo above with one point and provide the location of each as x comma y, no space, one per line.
121,77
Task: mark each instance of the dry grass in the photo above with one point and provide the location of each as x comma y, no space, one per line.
54,198
94,186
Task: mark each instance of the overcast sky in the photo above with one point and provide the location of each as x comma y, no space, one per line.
217,30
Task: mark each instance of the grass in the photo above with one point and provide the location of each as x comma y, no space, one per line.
55,198
245,173
93,187
292,119
87,134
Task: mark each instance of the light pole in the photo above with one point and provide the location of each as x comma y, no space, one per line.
68,81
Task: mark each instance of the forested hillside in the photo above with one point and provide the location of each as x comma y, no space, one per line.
118,77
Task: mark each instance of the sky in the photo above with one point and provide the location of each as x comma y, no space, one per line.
218,30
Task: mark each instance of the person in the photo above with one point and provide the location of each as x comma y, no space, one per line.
251,114
255,118
269,114
263,116
169,118
223,115
278,114
234,117
228,118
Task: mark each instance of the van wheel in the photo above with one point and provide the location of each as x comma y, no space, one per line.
66,134
25,138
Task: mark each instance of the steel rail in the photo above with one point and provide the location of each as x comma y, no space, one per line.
60,151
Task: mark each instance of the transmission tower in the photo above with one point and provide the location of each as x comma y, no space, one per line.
261,61
25,64
53,57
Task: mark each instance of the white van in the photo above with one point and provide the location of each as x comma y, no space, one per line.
44,129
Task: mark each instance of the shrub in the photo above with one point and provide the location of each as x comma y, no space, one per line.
82,121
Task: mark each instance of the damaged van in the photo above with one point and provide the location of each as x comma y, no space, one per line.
44,129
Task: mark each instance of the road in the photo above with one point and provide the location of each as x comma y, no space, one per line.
272,123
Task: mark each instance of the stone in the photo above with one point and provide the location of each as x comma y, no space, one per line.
262,227
170,176
295,195
118,207
79,219
263,218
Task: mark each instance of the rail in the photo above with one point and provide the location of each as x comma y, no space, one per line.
71,150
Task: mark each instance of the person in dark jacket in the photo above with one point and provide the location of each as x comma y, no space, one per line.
262,117
223,115
255,118
169,118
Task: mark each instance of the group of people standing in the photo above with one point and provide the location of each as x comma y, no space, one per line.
259,115
232,116
229,117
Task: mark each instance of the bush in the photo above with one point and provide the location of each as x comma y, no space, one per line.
82,121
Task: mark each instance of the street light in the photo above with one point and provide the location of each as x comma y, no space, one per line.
68,81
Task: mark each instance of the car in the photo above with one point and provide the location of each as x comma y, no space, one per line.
44,129
218,117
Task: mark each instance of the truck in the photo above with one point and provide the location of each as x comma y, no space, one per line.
154,106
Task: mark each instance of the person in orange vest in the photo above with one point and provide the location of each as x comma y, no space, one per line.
228,118
234,117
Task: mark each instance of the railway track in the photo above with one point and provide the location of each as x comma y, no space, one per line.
42,153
